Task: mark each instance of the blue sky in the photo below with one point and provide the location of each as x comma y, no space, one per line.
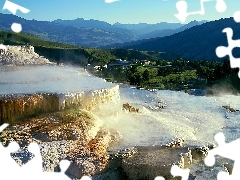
123,11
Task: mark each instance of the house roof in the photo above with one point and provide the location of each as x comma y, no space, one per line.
119,62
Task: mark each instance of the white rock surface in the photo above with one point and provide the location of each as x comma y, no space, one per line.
21,55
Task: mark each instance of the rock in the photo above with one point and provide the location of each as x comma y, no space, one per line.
86,149
199,153
200,171
152,162
230,109
129,108
229,167
53,152
22,55
177,143
77,170
14,107
116,174
91,158
186,159
123,153
22,156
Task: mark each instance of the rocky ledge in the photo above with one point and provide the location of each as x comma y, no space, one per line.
21,55
79,136
15,107
75,135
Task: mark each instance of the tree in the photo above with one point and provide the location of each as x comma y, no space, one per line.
138,79
218,72
164,71
146,75
133,69
226,67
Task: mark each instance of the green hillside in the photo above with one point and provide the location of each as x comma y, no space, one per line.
11,38
59,52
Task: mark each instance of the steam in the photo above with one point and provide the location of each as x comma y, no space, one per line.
47,79
196,119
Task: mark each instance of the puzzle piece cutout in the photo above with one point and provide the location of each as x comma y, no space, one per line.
3,126
176,171
111,1
12,7
64,164
159,178
182,8
236,16
7,163
222,51
3,47
227,150
33,168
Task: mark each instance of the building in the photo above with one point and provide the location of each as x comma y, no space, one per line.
145,62
119,63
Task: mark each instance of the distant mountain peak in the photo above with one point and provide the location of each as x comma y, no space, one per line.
194,43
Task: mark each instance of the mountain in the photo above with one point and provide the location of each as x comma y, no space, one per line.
52,31
168,32
198,42
140,31
144,28
90,33
155,34
95,24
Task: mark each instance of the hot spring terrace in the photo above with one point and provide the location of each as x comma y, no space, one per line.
28,91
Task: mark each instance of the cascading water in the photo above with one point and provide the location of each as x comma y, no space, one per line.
196,119
162,117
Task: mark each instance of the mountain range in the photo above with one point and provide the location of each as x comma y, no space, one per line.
66,34
198,42
91,33
141,30
145,31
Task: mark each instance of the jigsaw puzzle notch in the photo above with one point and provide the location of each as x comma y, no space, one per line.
182,7
236,16
227,150
222,51
159,178
177,171
221,6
